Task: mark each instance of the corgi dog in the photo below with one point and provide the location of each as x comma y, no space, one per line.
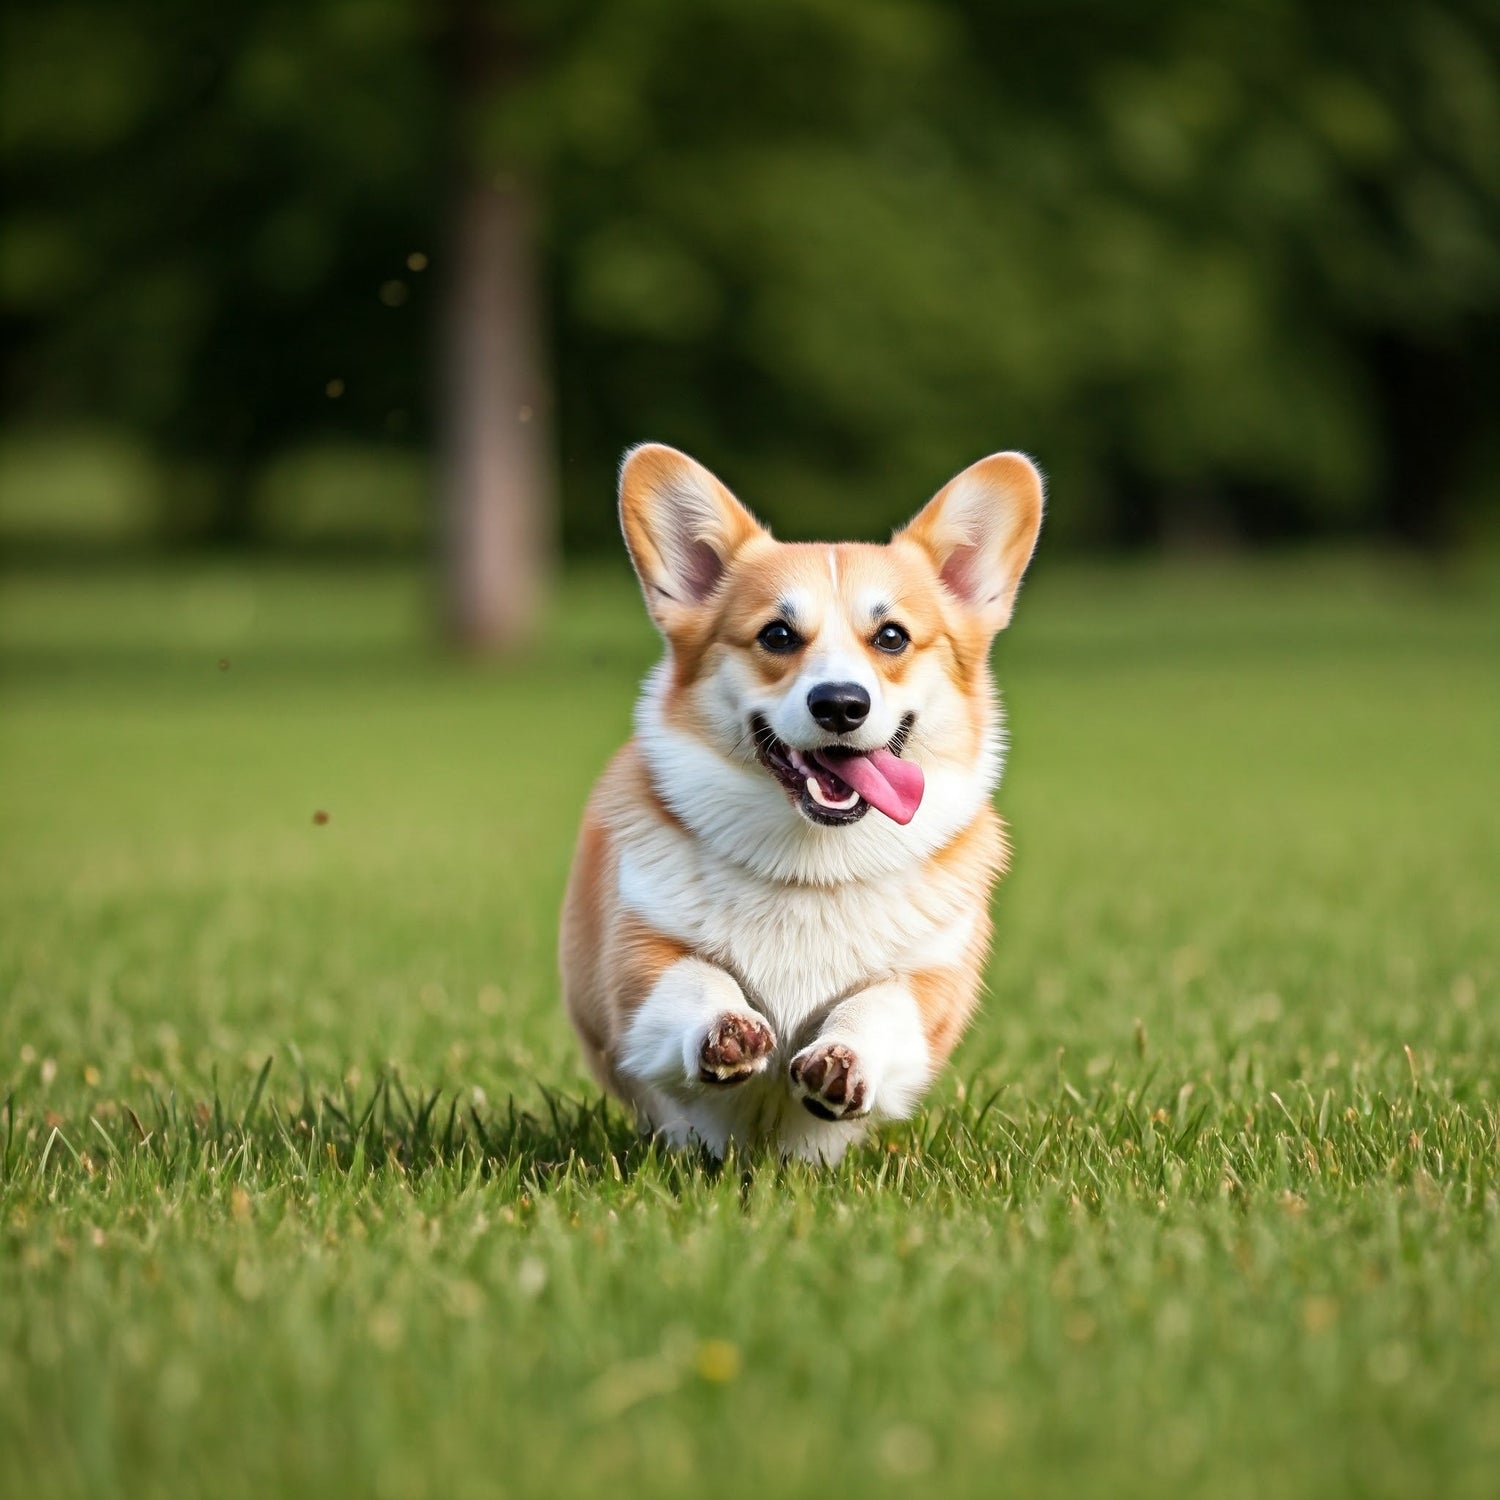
778,913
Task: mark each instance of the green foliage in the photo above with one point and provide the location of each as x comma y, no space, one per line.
1221,268
1161,253
209,227
84,486
338,496
1207,1205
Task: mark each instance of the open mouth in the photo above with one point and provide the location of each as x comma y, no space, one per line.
833,785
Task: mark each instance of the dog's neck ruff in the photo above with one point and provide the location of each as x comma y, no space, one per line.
744,818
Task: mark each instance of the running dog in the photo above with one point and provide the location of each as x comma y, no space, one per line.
778,914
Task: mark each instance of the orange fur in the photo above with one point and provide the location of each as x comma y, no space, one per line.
608,957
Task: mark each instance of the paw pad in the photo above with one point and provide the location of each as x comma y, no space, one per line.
828,1080
735,1048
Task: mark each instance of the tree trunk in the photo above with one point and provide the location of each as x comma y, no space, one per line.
497,501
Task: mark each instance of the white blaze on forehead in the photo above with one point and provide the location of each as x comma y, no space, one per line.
833,566
837,654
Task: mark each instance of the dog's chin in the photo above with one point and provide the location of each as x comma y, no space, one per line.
815,790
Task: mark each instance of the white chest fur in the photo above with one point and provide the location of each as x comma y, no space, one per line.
795,949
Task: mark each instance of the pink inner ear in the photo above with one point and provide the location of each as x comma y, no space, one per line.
702,570
958,573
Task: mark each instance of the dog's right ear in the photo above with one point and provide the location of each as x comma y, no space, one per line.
682,527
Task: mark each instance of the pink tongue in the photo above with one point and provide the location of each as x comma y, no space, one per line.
882,779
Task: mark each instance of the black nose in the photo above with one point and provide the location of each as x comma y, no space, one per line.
839,706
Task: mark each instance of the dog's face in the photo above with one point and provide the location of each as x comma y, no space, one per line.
847,677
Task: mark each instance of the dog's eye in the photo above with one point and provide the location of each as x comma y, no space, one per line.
892,638
779,637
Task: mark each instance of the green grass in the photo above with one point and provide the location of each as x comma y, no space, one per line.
1207,1205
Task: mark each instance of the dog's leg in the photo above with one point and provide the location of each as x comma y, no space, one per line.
870,1058
694,1032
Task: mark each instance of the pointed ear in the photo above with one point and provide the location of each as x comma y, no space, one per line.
682,528
980,529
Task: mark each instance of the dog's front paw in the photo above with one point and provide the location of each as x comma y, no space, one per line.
737,1047
827,1078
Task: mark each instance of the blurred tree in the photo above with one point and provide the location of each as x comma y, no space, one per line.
211,212
497,481
1187,255
1225,270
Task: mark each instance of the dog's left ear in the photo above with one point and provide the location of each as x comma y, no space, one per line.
980,530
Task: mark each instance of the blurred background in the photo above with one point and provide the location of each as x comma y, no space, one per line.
403,277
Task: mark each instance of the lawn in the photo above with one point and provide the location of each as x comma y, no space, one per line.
1209,1203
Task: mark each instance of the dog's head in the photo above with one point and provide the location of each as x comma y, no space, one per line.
810,684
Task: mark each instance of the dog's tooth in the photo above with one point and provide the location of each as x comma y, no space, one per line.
799,765
815,791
